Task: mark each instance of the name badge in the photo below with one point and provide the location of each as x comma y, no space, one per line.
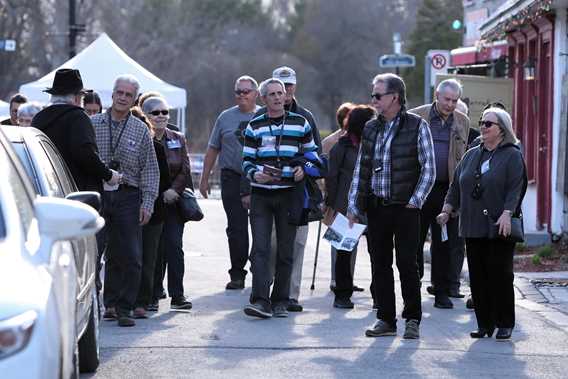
268,141
173,144
485,167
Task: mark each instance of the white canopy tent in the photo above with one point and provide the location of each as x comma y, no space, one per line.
4,109
100,63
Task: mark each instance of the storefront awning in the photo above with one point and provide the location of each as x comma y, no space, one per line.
465,56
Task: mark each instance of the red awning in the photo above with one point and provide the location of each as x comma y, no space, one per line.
465,56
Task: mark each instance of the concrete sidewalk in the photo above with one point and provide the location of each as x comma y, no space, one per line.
216,339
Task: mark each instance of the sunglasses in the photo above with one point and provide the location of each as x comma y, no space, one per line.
164,112
378,96
239,92
486,124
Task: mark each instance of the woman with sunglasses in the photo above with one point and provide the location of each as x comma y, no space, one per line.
489,184
170,253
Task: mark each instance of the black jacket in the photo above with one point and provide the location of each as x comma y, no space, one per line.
342,160
165,183
70,129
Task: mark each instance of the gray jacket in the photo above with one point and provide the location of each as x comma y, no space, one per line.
501,187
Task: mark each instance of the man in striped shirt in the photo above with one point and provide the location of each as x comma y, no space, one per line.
275,144
393,176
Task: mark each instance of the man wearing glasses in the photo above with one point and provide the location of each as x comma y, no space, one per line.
126,145
226,142
450,129
393,176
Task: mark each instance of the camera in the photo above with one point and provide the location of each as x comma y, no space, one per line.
114,165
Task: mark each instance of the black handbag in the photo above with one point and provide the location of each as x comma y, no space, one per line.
188,208
517,229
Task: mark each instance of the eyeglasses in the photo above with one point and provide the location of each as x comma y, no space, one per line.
164,112
487,124
239,92
378,96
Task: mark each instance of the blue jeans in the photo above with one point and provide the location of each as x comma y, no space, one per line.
121,242
268,206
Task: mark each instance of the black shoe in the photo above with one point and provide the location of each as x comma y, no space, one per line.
153,306
162,295
181,303
456,295
257,310
375,306
126,321
294,306
357,289
280,310
236,284
504,333
481,332
431,290
343,303
443,302
469,303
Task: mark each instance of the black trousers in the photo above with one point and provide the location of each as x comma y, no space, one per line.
386,222
344,274
121,242
440,251
268,207
237,223
457,254
151,234
491,278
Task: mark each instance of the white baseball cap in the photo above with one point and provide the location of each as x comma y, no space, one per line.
286,74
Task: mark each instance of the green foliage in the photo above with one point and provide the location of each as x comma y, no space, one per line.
433,30
536,260
545,251
520,247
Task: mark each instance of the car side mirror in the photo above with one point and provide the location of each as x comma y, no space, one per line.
90,198
62,219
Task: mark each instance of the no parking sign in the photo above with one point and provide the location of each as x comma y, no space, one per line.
439,62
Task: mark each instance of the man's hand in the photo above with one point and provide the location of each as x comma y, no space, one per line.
170,196
144,216
115,179
298,173
245,200
204,187
261,177
504,223
352,219
442,218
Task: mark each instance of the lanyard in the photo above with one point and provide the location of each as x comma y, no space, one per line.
278,140
112,147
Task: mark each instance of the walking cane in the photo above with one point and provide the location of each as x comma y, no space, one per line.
312,287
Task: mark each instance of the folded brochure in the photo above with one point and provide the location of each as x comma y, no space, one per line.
341,236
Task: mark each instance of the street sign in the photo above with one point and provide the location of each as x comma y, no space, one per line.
397,60
7,45
439,62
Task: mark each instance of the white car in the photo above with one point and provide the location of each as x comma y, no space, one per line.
43,330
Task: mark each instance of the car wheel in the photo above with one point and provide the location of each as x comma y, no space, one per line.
89,342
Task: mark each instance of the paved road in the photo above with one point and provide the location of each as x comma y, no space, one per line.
216,340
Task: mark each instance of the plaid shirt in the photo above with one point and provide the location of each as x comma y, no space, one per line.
381,181
134,151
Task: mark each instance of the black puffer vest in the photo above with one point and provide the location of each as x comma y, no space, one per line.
405,166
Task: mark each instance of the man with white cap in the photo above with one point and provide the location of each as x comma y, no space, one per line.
288,76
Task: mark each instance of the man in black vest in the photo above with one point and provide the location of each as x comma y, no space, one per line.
394,174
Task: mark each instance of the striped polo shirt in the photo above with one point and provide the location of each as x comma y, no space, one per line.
277,143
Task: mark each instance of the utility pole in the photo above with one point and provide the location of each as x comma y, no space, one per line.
72,29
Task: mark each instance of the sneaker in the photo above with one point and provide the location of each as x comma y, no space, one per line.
358,289
431,290
110,314
381,329
443,302
280,310
153,306
139,312
294,306
237,284
180,303
343,303
126,321
412,330
257,310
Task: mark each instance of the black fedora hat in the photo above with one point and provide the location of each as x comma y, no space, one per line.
67,81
